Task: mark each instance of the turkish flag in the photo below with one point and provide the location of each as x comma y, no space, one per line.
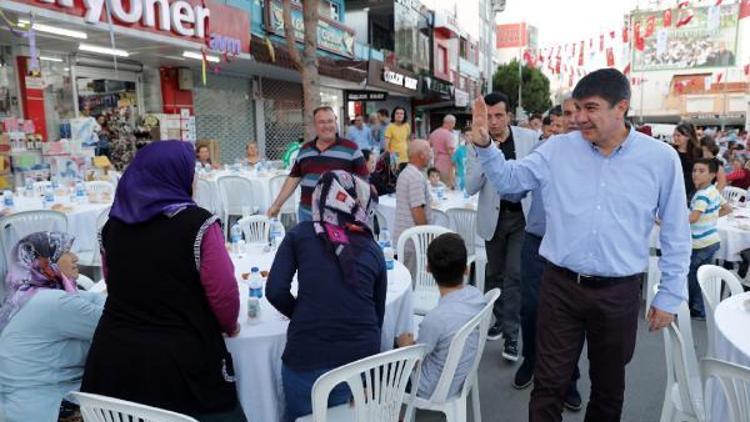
746,69
625,35
610,57
601,42
718,2
626,71
650,26
591,43
640,43
557,66
580,54
667,18
744,8
612,34
718,77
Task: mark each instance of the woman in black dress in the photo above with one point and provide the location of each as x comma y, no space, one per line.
685,141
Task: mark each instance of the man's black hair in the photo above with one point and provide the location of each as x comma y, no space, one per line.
711,163
498,97
609,84
446,257
555,111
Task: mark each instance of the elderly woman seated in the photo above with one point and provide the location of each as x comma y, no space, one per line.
46,326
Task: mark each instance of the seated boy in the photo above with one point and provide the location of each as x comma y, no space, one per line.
706,207
446,260
433,175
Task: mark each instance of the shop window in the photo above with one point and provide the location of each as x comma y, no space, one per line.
442,60
58,93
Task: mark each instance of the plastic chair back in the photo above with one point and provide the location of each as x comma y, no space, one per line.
712,280
440,218
479,325
17,226
84,282
290,206
424,282
97,408
464,222
255,228
203,195
378,385
735,384
733,194
236,192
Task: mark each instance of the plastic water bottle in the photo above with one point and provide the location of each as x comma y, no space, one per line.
440,190
49,196
55,184
29,188
274,235
235,236
8,199
388,252
80,191
255,294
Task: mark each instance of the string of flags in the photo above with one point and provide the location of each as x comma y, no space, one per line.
647,33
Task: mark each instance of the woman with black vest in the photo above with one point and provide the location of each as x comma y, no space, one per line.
172,293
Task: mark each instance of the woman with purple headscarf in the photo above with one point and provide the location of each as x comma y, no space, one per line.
46,327
337,315
172,293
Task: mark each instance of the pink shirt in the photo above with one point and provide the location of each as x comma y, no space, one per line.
441,140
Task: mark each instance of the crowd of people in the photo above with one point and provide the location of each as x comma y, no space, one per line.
547,196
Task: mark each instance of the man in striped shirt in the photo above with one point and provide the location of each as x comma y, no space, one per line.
706,207
326,152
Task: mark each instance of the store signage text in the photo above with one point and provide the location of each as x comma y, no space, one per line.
366,96
399,79
332,36
179,16
224,44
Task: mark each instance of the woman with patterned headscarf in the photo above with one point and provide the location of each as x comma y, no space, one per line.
46,327
337,315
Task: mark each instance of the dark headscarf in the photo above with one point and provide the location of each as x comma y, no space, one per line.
342,205
158,181
34,267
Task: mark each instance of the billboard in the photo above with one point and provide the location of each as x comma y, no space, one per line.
685,38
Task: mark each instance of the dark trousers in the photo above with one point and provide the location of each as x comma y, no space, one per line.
504,271
699,257
532,268
569,314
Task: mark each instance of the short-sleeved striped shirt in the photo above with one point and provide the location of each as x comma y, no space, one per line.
311,163
412,191
708,201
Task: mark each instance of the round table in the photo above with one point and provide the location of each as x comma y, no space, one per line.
451,199
734,232
731,344
256,351
261,183
81,218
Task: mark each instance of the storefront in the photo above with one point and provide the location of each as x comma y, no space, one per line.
401,85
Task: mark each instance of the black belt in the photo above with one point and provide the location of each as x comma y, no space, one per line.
594,281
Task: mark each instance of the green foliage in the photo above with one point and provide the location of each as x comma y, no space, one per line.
535,96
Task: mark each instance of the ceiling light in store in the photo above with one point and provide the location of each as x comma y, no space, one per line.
103,50
199,56
51,59
54,30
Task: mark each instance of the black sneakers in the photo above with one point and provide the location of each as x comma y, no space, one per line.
524,376
495,332
510,352
573,398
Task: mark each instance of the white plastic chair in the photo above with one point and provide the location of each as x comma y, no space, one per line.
440,218
735,384
454,407
203,195
236,193
17,226
653,278
40,186
255,228
100,187
378,385
93,258
683,397
425,288
464,222
290,206
712,279
733,194
97,408
84,283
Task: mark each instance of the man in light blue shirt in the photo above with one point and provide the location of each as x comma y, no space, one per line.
360,133
603,187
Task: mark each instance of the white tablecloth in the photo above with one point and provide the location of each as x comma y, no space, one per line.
261,184
257,350
452,199
732,344
81,219
734,231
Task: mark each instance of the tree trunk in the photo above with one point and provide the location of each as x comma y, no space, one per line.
307,63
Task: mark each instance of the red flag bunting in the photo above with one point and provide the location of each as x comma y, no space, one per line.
685,14
746,69
557,66
718,2
718,77
610,57
637,38
625,35
667,18
626,71
744,9
591,43
601,42
612,34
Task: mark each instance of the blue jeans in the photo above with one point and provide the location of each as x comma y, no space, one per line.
699,257
532,267
303,216
298,391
